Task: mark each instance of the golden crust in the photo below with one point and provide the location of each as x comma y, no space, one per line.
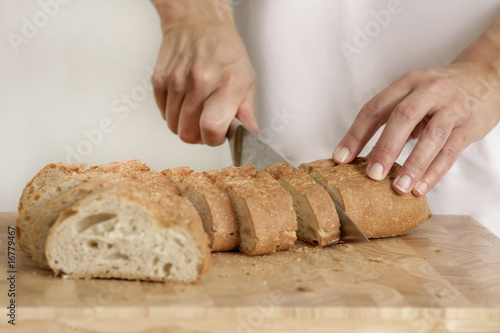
269,205
318,199
40,179
377,209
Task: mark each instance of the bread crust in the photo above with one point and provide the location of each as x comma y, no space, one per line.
374,205
49,173
325,218
219,218
269,206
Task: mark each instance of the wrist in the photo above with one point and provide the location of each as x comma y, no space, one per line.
171,11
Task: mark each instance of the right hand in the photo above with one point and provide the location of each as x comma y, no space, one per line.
203,77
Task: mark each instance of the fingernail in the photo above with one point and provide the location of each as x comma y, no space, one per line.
421,188
376,171
341,154
403,183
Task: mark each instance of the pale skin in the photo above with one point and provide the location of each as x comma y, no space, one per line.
204,78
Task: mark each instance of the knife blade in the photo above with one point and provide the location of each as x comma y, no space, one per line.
247,147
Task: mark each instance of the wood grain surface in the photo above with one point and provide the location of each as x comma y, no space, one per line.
443,277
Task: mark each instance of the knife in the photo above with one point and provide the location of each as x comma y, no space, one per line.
246,146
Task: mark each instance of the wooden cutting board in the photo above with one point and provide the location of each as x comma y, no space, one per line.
443,277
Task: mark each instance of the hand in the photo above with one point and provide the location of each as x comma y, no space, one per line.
203,77
446,108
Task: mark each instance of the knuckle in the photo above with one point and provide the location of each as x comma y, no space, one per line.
371,109
439,84
416,164
438,133
410,77
200,76
385,149
188,137
449,154
407,111
159,80
212,129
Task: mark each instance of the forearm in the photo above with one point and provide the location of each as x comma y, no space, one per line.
486,50
172,11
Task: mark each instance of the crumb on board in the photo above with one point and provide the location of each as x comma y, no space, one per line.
298,280
376,260
126,297
357,282
438,250
223,275
425,258
441,295
305,289
348,246
248,273
337,269
338,259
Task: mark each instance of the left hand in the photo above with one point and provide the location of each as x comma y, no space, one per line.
447,108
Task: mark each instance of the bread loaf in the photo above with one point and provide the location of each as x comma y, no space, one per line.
264,211
375,207
122,232
317,219
212,203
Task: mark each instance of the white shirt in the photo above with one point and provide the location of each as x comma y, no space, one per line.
319,61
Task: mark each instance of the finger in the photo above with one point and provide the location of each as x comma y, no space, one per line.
434,137
218,112
246,111
443,162
160,84
176,92
417,131
371,117
398,129
174,103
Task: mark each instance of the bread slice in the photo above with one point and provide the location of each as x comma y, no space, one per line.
51,212
264,210
212,203
375,207
121,232
317,219
48,174
34,206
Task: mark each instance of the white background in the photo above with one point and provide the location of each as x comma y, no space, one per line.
64,81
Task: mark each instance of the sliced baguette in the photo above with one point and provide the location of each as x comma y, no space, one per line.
317,219
264,211
212,203
122,232
51,212
46,175
34,206
377,209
